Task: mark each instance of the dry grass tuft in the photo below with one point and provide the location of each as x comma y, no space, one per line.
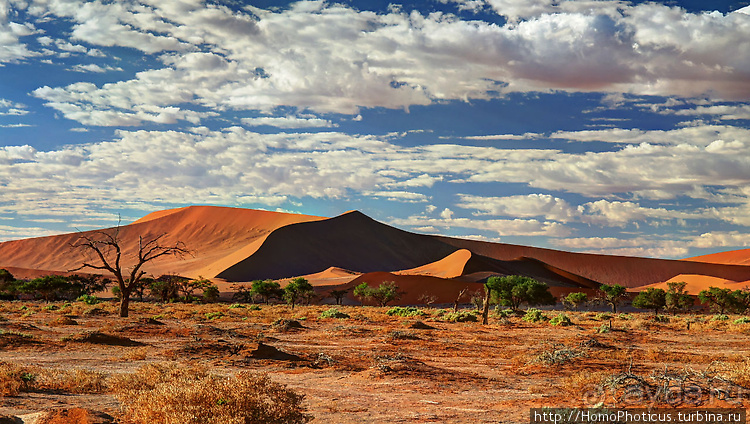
173,395
77,381
15,379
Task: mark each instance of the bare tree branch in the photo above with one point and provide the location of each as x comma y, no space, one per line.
106,245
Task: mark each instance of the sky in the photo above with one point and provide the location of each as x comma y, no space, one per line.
597,126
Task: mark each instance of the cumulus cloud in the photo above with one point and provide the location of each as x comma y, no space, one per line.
288,122
503,227
8,232
10,108
332,58
92,67
532,205
638,246
12,49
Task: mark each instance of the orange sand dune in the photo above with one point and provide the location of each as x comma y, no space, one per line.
627,271
736,257
330,277
449,267
350,241
697,283
214,234
240,245
414,286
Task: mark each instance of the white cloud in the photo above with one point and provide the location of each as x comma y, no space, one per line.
92,67
288,122
331,58
503,227
524,206
639,246
10,108
17,233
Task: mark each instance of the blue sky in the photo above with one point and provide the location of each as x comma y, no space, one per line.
597,126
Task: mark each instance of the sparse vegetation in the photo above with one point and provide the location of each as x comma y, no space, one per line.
384,294
534,315
405,311
651,298
460,316
612,295
561,319
334,313
575,300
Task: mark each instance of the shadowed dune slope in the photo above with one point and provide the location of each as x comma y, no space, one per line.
212,233
627,271
736,257
350,241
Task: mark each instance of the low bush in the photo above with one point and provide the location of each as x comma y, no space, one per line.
742,320
333,313
534,315
604,328
214,315
720,317
503,313
460,316
405,311
175,396
557,354
15,379
561,319
88,299
603,316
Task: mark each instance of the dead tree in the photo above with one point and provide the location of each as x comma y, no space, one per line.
106,245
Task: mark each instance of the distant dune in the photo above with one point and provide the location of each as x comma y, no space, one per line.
735,257
625,270
239,245
214,235
694,284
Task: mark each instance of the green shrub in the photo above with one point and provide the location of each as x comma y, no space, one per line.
623,316
661,318
604,328
720,317
460,316
333,313
405,311
214,315
253,308
561,319
534,315
88,299
50,308
236,306
503,313
742,320
603,316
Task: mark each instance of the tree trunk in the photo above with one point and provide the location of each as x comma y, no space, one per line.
124,303
486,305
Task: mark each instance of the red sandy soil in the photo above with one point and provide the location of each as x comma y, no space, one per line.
240,245
374,368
